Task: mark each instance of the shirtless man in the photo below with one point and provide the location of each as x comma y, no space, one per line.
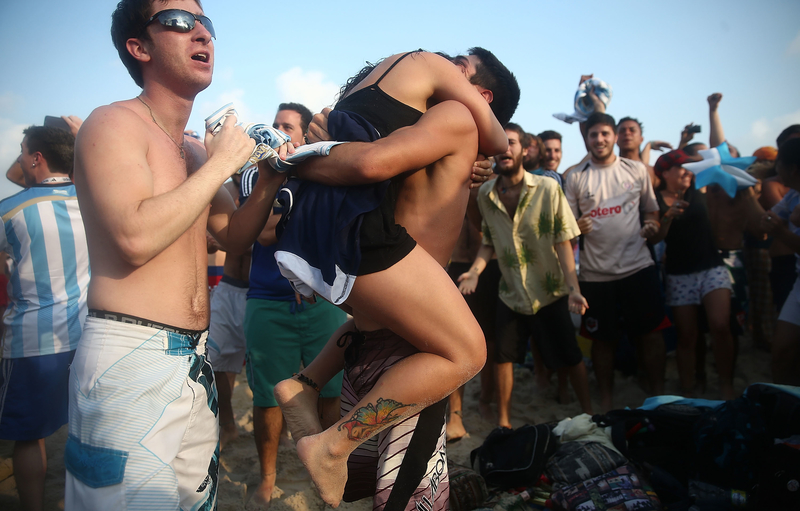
430,205
143,405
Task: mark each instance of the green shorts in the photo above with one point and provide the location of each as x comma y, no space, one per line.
282,335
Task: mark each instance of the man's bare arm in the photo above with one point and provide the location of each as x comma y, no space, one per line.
449,85
238,229
115,182
441,131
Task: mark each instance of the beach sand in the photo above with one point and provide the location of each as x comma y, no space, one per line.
239,470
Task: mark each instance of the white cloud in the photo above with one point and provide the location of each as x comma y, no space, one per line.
306,87
794,46
10,101
764,131
10,137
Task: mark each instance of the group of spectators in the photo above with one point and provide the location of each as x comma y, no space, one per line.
653,251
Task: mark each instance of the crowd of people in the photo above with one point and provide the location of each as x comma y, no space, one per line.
460,257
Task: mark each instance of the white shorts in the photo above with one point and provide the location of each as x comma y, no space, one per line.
143,428
791,308
690,289
226,342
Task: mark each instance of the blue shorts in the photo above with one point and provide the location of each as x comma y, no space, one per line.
33,396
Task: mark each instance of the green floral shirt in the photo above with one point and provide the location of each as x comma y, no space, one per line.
525,246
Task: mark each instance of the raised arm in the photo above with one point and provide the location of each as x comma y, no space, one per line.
439,132
449,84
716,134
117,189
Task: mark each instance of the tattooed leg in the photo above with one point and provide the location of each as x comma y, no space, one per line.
426,310
369,420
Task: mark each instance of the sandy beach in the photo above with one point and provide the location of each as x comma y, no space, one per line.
239,471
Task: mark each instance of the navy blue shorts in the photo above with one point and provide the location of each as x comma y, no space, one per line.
34,396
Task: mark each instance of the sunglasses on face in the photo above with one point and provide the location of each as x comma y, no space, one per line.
180,21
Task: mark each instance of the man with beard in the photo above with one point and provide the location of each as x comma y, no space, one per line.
527,221
609,195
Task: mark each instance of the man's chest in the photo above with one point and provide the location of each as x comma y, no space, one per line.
608,195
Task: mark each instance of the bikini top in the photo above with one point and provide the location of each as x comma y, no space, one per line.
384,112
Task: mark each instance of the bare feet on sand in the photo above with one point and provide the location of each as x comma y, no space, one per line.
455,427
265,492
227,433
298,403
328,471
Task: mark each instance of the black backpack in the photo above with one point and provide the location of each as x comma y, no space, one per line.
514,458
661,437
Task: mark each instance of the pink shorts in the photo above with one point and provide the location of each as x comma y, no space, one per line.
690,289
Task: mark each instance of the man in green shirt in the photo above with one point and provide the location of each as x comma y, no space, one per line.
528,222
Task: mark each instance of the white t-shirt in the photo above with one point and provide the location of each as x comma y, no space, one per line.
616,195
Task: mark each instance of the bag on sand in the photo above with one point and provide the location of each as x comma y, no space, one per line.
620,489
514,458
578,461
467,488
661,437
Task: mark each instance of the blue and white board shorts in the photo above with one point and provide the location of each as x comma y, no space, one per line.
143,427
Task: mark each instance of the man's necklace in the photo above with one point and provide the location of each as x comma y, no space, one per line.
504,189
180,147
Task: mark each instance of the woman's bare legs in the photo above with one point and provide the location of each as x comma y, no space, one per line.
418,301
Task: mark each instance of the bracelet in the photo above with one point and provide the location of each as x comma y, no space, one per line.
308,381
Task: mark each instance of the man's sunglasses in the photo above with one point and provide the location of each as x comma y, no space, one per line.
180,20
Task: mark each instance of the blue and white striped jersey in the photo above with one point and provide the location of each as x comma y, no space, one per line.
44,236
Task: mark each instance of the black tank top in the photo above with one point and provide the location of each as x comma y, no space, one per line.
690,242
383,242
384,112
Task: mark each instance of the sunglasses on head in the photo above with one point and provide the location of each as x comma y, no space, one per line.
180,21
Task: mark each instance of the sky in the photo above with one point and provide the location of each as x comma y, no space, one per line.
662,59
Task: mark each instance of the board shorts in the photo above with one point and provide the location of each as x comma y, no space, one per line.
634,303
791,307
690,289
143,427
280,336
33,396
550,328
226,342
404,467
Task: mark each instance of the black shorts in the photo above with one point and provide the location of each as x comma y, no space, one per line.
483,302
382,241
634,303
550,328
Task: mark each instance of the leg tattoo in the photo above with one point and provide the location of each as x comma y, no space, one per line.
367,420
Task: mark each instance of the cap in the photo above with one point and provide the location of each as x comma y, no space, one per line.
766,153
671,159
